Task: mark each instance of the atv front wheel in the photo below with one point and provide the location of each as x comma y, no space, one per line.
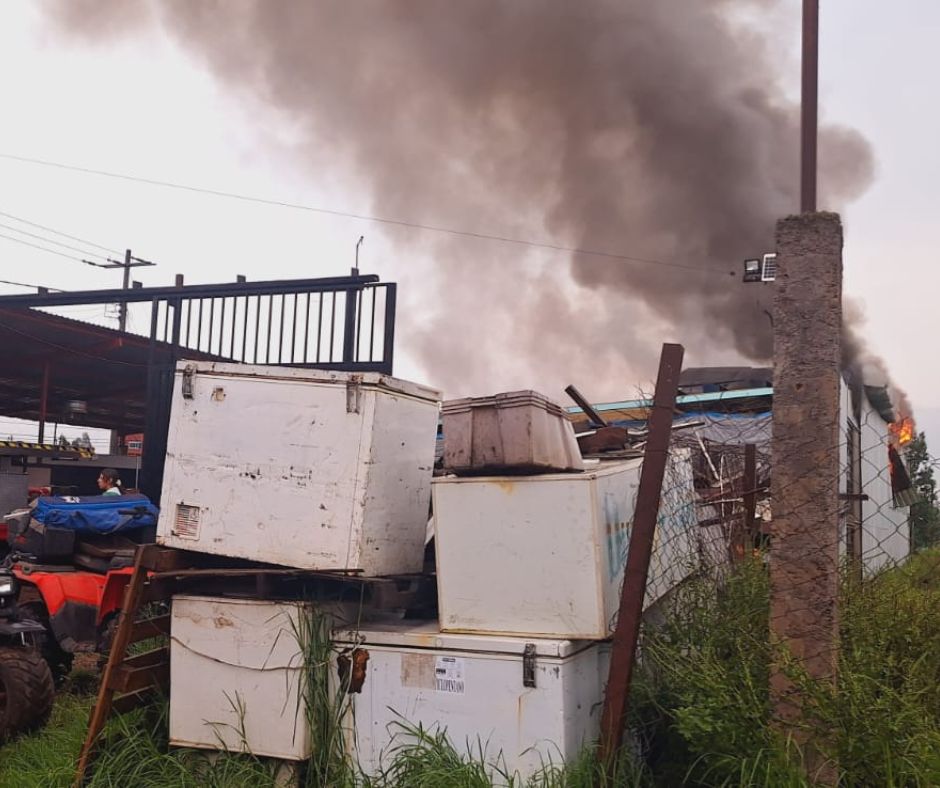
26,691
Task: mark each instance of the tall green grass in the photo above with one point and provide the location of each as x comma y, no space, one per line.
702,704
700,710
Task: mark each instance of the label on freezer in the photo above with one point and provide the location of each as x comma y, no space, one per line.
448,674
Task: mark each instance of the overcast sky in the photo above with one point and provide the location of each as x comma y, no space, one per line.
142,106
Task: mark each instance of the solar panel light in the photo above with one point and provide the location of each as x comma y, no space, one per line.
760,269
752,270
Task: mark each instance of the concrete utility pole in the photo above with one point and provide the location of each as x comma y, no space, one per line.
804,556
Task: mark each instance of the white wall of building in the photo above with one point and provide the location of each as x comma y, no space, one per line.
885,529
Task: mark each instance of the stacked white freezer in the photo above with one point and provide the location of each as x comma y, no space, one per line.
327,470
525,702
236,676
303,468
544,556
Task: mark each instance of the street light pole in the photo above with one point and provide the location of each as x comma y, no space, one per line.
809,106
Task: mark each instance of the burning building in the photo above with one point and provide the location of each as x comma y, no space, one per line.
733,407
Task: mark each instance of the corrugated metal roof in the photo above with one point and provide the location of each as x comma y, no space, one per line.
638,408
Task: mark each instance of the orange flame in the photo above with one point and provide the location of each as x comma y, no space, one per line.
902,431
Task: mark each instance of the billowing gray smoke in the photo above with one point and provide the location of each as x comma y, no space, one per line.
654,130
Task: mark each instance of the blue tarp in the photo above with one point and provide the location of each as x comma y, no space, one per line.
100,514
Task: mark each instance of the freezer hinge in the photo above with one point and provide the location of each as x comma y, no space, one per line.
353,396
189,372
528,665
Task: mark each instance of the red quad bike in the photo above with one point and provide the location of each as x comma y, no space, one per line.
73,559
26,686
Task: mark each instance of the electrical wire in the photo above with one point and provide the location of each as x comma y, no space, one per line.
71,350
43,248
26,284
53,241
363,217
59,232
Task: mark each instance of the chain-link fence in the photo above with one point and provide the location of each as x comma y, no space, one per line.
792,610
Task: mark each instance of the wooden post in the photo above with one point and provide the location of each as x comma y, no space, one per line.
804,556
122,638
627,631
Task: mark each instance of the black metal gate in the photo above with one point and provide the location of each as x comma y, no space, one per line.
341,323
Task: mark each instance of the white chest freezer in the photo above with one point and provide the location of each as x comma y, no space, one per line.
303,468
235,676
545,555
529,701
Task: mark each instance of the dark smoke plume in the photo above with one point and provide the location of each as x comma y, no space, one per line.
654,129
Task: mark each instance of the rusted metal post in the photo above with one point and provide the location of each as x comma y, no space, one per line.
596,419
627,631
43,403
809,106
750,492
804,556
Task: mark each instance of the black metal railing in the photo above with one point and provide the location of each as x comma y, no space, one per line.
329,324
341,323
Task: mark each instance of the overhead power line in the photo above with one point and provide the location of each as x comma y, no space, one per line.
28,285
43,248
48,240
363,217
59,232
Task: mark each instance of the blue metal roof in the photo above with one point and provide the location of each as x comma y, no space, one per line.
685,399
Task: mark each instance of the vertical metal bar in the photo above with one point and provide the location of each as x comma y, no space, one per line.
293,330
741,521
211,323
627,631
166,321
388,347
231,344
307,327
150,462
750,492
177,317
189,318
809,106
332,325
375,295
254,358
44,403
199,328
267,344
357,338
280,335
319,326
154,320
245,332
222,325
349,325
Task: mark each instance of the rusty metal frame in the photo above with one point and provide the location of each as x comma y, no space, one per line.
627,631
